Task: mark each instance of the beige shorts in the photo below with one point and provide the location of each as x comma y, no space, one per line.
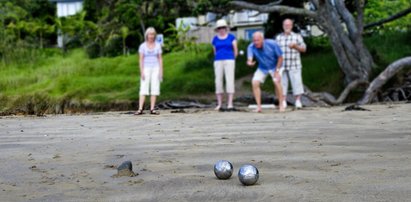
261,76
151,84
224,68
296,81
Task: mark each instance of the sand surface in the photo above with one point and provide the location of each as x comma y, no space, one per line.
315,154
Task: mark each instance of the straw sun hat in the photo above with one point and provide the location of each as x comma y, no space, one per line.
220,23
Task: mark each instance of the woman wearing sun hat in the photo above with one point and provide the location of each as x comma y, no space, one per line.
225,52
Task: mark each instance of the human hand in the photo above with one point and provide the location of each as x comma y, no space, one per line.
293,45
277,74
142,77
250,63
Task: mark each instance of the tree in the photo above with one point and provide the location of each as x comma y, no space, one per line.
124,34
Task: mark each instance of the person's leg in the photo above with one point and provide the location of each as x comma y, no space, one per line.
284,84
152,102
229,72
219,97
141,102
297,85
257,94
155,87
258,78
144,89
278,90
218,72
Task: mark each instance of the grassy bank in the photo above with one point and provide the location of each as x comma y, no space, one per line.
58,83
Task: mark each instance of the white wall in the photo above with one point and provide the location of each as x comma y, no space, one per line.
66,9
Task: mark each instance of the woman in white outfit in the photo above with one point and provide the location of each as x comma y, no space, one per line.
151,70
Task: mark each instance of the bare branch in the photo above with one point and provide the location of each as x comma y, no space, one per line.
278,2
389,19
348,19
349,88
384,76
330,99
274,9
360,15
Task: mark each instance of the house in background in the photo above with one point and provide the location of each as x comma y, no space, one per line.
242,24
247,22
66,8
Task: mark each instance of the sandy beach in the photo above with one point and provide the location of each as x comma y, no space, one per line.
314,154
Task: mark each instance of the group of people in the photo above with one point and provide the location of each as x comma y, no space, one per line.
279,58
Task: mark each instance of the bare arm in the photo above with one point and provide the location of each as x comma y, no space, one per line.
141,63
279,63
278,69
250,62
160,62
235,48
299,48
302,48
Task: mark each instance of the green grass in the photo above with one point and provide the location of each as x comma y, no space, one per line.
55,78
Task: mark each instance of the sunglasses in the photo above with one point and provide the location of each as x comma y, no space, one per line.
218,28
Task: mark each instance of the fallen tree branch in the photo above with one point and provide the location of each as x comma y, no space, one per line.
384,76
389,19
330,99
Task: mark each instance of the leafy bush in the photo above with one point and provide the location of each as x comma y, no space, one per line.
317,44
93,50
113,47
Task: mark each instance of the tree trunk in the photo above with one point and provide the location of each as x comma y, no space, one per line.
384,76
41,40
346,39
124,46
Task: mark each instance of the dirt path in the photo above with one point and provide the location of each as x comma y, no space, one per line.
316,154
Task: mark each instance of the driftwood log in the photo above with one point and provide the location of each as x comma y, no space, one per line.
373,87
382,78
330,99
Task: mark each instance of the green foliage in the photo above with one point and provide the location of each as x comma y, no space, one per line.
220,7
378,10
318,44
178,39
388,47
24,27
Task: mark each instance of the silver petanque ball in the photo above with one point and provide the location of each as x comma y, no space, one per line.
223,169
248,174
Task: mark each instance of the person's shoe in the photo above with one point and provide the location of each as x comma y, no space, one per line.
298,104
284,104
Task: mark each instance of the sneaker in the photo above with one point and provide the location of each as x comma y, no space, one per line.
284,104
298,104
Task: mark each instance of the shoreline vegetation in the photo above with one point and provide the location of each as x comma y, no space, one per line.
62,83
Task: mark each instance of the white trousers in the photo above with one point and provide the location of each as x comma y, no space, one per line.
296,81
224,68
151,84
